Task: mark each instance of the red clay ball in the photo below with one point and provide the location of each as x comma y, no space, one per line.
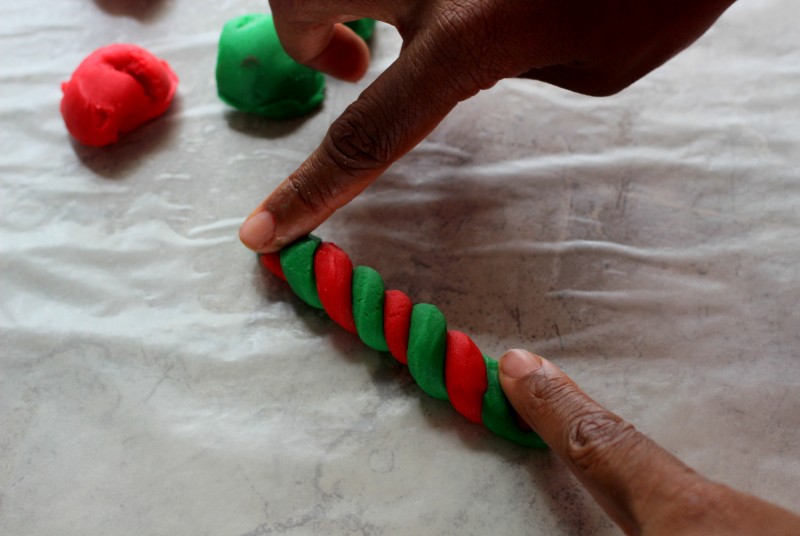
114,90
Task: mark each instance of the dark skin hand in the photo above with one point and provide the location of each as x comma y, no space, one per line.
643,488
452,49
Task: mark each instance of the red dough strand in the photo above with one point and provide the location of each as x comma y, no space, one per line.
334,273
465,375
272,262
396,323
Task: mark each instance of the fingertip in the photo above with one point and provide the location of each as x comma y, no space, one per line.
258,231
516,364
345,57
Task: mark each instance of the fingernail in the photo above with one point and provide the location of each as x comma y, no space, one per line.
519,363
258,230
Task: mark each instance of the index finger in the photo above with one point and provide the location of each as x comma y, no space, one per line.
634,479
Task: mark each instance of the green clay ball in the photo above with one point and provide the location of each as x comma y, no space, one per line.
498,415
427,339
368,297
297,262
364,28
255,75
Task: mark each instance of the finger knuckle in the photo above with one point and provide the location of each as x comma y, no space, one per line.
359,140
546,391
463,45
596,437
316,196
289,9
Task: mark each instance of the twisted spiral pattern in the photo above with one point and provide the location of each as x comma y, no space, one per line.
446,364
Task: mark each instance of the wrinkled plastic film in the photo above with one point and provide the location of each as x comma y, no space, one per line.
153,378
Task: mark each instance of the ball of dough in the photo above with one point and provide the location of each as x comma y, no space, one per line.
113,91
255,75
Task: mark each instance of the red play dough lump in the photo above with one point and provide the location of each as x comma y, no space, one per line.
113,91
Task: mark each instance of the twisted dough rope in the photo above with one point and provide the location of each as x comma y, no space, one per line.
446,364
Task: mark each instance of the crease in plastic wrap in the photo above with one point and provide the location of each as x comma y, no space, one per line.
154,380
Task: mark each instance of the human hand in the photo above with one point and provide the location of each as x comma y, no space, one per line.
641,486
451,50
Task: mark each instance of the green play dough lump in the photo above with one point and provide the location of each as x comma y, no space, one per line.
255,75
427,338
297,262
364,28
498,415
368,300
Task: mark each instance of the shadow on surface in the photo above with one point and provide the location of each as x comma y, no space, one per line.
119,160
264,127
440,243
141,10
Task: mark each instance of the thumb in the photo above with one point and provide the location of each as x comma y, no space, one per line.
389,118
628,474
333,49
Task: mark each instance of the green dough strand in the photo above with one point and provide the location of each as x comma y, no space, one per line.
364,28
255,75
368,307
498,415
427,338
297,262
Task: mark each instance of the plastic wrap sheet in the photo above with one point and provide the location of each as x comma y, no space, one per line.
156,381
